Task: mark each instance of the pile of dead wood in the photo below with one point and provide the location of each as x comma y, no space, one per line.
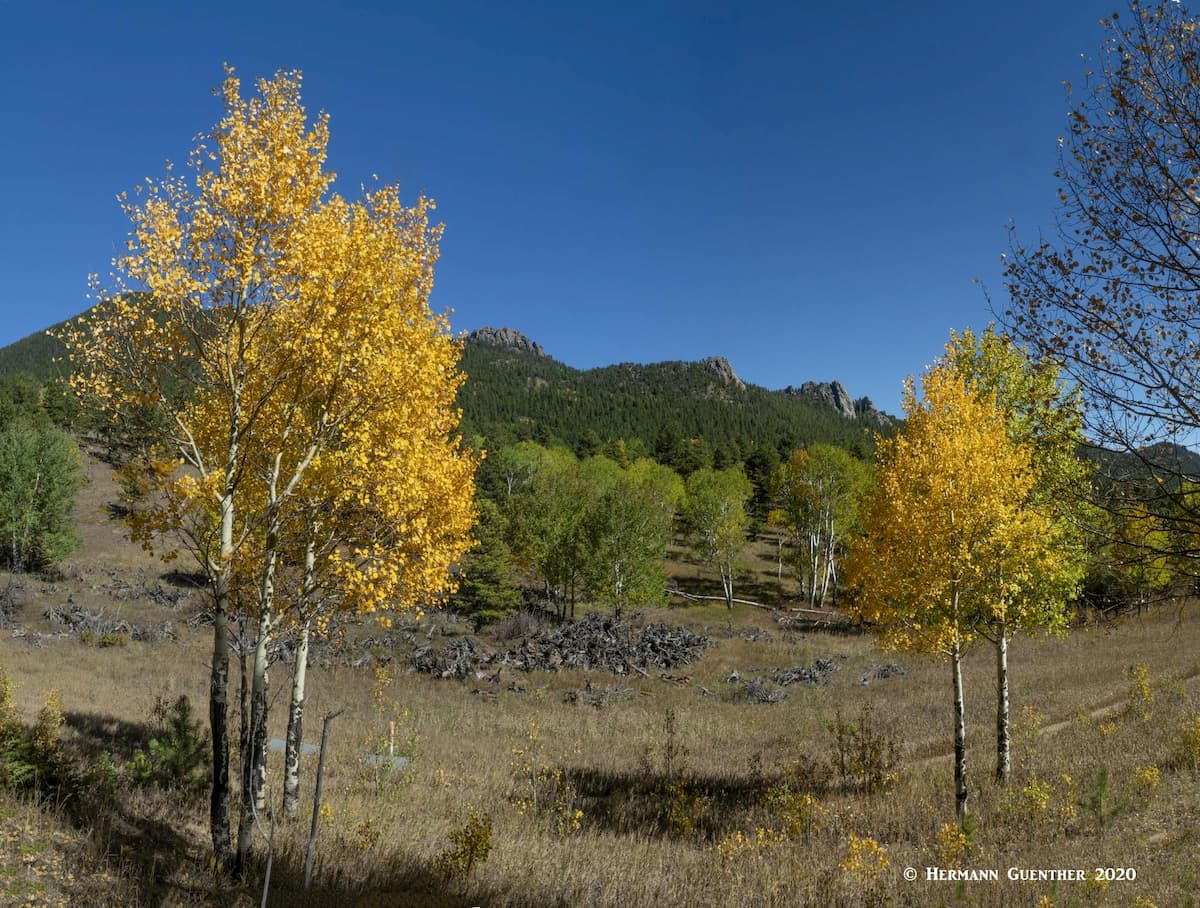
768,687
597,642
460,657
79,620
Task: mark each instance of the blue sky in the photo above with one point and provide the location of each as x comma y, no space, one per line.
807,189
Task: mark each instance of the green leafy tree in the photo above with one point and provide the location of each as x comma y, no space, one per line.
625,534
39,476
545,517
820,489
714,511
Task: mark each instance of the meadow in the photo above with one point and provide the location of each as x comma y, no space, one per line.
580,788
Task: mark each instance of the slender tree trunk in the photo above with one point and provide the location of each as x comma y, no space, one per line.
1003,755
259,779
960,739
727,585
244,729
218,720
254,777
218,695
812,568
291,760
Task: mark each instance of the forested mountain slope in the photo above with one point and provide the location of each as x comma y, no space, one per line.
515,391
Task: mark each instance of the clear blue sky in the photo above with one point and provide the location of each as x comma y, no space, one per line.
807,189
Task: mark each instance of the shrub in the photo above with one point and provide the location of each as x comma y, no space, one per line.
177,757
866,753
50,720
39,476
1185,744
540,789
865,860
800,813
470,845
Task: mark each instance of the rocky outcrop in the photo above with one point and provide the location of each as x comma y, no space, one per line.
866,410
720,367
827,394
507,339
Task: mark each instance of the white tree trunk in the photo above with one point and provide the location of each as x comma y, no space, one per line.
291,772
1003,754
960,738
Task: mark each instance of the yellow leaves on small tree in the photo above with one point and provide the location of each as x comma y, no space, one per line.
947,534
950,540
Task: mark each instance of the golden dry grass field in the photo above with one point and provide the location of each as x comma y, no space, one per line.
671,791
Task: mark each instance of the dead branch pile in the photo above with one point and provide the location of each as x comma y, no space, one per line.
817,673
609,644
457,659
79,620
598,642
882,673
769,687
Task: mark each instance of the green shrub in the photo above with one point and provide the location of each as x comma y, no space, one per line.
39,476
178,756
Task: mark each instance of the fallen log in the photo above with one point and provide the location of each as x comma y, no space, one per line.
694,598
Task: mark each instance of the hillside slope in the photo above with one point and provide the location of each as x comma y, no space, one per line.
514,390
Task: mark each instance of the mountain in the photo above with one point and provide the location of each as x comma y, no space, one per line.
35,355
515,389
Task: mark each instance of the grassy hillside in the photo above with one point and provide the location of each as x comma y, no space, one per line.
605,789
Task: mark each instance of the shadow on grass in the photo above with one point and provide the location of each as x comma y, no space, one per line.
75,779
679,805
190,580
347,877
99,734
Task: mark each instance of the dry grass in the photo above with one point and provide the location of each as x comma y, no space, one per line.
654,829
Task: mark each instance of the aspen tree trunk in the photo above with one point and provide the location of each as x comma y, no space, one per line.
218,694
244,730
960,738
260,755
295,729
254,783
727,585
291,760
1003,754
254,774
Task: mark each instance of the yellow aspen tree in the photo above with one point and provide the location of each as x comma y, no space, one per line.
166,356
374,405
1047,417
947,533
279,340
